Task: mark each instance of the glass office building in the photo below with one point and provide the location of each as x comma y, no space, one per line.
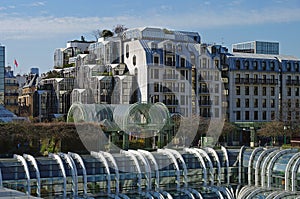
257,47
2,69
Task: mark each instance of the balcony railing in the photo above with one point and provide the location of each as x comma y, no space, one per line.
11,94
170,76
293,82
255,81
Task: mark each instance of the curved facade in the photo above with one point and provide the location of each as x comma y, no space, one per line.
165,173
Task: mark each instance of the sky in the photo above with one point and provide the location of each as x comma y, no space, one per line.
31,30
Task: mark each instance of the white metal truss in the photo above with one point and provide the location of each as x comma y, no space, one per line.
294,174
78,158
272,162
73,168
214,153
171,156
116,168
284,194
201,160
264,166
179,157
146,165
243,148
224,150
288,168
258,163
98,155
138,168
24,164
251,159
210,164
63,171
31,159
150,156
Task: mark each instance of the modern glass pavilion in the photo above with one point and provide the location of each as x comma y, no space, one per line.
165,173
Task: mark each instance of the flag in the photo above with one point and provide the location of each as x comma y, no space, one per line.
16,63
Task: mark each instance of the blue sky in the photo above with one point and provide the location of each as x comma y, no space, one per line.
31,30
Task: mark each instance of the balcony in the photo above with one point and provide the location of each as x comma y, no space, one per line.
255,81
170,102
205,103
291,82
170,76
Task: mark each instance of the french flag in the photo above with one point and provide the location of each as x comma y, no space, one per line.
16,63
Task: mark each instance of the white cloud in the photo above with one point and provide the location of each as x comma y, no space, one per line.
15,27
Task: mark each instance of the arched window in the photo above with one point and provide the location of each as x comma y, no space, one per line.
127,51
134,60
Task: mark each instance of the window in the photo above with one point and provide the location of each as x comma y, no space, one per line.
238,115
255,115
237,64
204,63
246,90
264,115
297,67
255,90
288,66
264,65
255,103
182,62
272,66
238,102
216,101
246,65
127,51
296,91
182,87
272,91
238,90
289,91
247,104
216,88
264,91
254,65
182,100
264,103
134,60
272,103
156,87
156,59
156,73
216,63
247,115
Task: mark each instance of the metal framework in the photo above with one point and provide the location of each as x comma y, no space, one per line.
73,168
251,159
31,159
24,163
288,168
272,162
201,160
294,174
215,155
258,163
210,164
63,171
98,155
264,166
243,148
224,150
77,157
